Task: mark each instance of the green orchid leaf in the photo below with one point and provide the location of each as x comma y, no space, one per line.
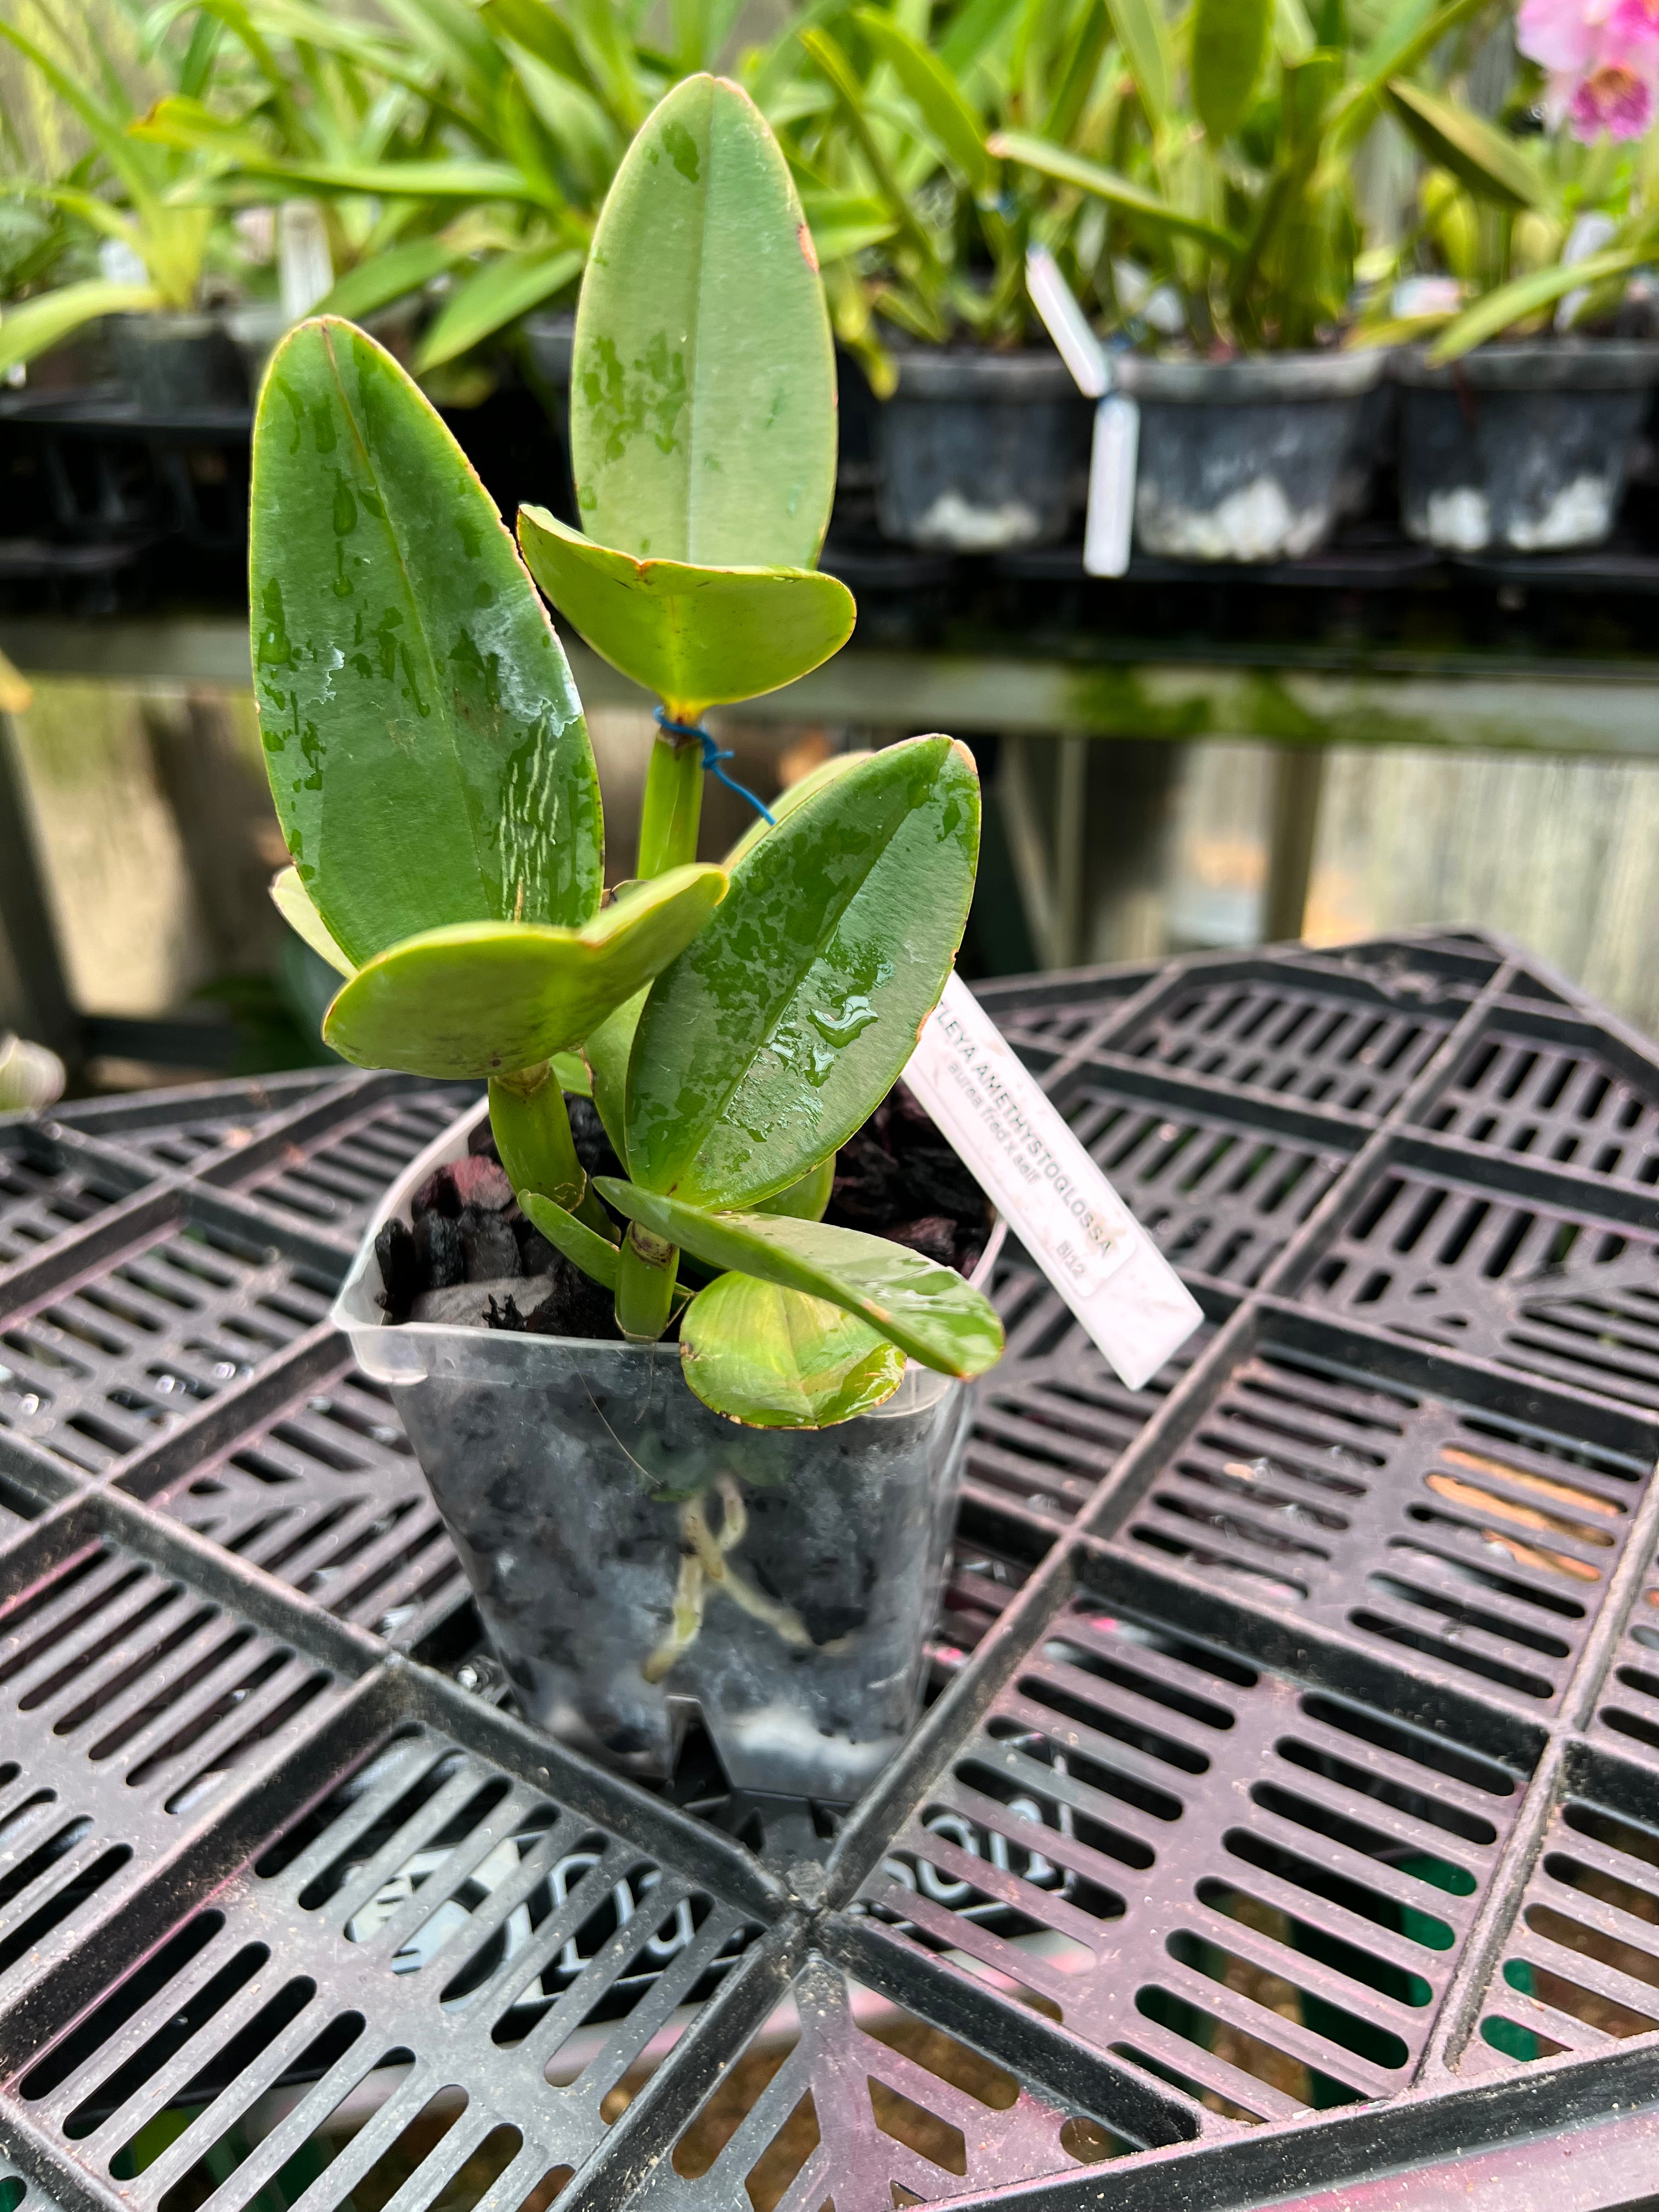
583,1247
928,1311
804,787
1478,155
1229,51
570,1073
805,1201
1144,37
606,1051
450,180
425,744
787,1020
702,412
539,28
773,1359
953,126
494,295
1526,295
697,637
289,897
1105,184
483,998
795,796
389,276
33,324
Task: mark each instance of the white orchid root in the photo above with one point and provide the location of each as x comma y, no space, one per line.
706,1565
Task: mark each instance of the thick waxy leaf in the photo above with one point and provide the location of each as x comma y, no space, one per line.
582,1246
425,745
797,795
289,897
697,637
786,1021
606,1051
1229,48
702,409
805,1199
775,1359
484,998
928,1311
1478,154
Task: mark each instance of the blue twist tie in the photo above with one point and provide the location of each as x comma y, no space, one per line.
712,758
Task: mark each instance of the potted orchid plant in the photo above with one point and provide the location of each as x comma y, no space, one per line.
695,1444
1518,412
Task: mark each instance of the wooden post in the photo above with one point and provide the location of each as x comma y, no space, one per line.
1298,779
48,1010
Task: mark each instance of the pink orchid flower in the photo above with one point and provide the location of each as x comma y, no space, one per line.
1602,60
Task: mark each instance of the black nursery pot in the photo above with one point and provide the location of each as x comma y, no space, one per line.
1520,448
180,363
980,451
1248,459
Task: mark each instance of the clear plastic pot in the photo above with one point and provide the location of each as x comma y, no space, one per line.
638,1560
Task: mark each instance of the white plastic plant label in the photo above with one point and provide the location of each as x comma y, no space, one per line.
1109,528
1066,324
997,1117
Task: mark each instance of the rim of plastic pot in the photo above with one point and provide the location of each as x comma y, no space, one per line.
174,324
1537,365
552,338
1019,377
413,1351
1251,378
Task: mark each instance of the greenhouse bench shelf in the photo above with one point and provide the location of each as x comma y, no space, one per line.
1286,1814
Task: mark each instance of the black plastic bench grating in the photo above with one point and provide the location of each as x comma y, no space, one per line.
1293,1759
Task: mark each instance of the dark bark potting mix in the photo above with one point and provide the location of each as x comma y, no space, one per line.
470,1256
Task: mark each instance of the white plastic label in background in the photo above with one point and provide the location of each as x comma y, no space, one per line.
1110,530
1110,527
1000,1120
1066,324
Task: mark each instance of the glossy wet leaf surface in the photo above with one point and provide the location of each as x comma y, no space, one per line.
582,1246
605,1051
425,744
697,637
928,1311
795,796
805,1199
703,413
490,997
773,1358
787,1020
